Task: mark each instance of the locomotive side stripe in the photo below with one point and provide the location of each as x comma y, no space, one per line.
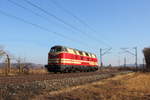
69,64
77,53
73,62
70,60
71,56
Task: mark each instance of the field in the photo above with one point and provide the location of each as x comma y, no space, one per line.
132,86
25,87
105,84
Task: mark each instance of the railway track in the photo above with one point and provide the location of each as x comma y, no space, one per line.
40,77
25,87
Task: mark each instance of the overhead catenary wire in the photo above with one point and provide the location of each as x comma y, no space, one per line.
33,12
77,18
52,15
42,28
29,10
62,21
67,11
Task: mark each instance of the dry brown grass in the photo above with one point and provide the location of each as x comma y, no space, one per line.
1,71
133,86
38,71
15,71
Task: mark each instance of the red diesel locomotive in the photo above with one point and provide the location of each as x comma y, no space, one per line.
64,59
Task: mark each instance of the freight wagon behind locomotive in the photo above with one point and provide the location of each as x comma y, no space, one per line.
64,59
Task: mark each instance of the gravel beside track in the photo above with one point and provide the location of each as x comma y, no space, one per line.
32,85
19,79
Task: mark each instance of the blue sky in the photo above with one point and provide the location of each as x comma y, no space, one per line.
117,23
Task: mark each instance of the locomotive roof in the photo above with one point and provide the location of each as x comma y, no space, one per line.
72,48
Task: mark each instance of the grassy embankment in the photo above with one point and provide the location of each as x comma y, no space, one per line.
133,86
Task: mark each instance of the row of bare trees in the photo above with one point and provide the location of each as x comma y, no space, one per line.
8,59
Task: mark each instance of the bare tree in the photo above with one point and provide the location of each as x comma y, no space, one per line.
8,65
147,57
21,64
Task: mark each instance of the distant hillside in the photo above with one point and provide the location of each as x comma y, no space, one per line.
27,65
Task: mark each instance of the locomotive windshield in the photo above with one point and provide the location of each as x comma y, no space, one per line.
57,49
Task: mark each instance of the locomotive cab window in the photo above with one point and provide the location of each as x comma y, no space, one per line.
56,49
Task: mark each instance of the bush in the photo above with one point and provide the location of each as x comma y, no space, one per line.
146,52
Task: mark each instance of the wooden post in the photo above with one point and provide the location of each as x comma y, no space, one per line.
8,66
